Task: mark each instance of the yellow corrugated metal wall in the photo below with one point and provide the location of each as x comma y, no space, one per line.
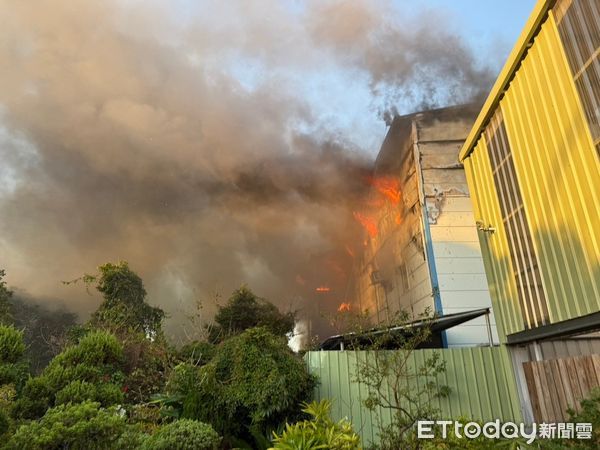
558,173
494,246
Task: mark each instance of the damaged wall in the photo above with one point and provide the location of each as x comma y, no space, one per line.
426,250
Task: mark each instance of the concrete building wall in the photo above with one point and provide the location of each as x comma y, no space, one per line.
457,255
393,271
426,253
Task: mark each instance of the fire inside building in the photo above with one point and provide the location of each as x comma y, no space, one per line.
421,247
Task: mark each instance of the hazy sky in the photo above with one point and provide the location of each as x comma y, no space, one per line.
212,143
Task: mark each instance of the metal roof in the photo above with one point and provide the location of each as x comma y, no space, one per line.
435,324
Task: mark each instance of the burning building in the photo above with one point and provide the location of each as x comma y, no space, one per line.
421,248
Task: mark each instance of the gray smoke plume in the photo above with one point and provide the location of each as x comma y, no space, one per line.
178,136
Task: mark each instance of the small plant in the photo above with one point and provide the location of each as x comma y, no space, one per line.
184,434
320,432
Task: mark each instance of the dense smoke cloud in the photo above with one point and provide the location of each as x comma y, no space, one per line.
182,137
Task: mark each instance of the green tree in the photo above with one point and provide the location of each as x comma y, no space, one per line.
124,307
5,297
245,310
253,382
125,313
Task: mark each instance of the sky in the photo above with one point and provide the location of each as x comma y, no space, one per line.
212,143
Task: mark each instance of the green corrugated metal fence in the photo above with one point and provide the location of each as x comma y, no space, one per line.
480,378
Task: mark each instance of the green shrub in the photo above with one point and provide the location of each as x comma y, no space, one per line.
96,348
184,434
14,373
133,438
83,426
12,346
13,368
4,422
253,381
320,432
79,391
89,370
35,399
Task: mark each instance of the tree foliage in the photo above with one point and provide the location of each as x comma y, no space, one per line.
124,306
80,426
5,297
184,434
137,325
95,390
89,370
245,310
13,367
253,381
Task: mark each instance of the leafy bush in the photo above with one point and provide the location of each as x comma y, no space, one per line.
90,370
79,391
96,348
83,426
35,399
12,346
13,368
184,434
320,432
253,381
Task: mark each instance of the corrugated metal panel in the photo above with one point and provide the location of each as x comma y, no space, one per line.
481,381
559,173
495,248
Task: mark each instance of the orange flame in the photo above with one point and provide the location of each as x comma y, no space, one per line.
344,307
323,289
368,223
389,187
